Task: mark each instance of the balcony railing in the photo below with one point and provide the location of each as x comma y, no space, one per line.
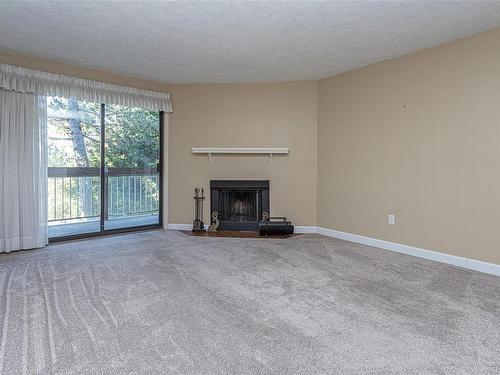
75,193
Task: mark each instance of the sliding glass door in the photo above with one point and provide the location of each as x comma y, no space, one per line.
104,168
74,193
132,167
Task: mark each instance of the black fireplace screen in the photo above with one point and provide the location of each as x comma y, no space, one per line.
240,203
242,206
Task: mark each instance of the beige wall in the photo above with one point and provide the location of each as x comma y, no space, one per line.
229,115
419,137
245,115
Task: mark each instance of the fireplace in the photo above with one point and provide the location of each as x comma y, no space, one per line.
240,203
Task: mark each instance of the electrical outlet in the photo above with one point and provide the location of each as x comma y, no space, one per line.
391,219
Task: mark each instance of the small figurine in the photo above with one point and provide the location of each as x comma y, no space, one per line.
214,227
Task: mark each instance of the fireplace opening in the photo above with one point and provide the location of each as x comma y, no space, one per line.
239,203
242,206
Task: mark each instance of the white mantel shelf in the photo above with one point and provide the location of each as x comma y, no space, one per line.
240,150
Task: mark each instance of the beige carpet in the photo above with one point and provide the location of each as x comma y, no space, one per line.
166,303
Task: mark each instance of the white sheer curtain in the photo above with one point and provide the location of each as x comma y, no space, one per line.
28,80
23,171
23,151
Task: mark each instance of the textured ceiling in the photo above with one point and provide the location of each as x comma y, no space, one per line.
183,42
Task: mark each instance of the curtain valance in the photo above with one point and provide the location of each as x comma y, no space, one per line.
33,81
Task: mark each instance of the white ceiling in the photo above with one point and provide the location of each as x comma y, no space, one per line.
184,42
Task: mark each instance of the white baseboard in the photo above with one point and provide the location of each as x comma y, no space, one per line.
305,229
180,226
472,264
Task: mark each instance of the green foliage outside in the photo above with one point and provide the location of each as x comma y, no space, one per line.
132,135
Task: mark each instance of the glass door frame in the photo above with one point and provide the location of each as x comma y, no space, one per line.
104,195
